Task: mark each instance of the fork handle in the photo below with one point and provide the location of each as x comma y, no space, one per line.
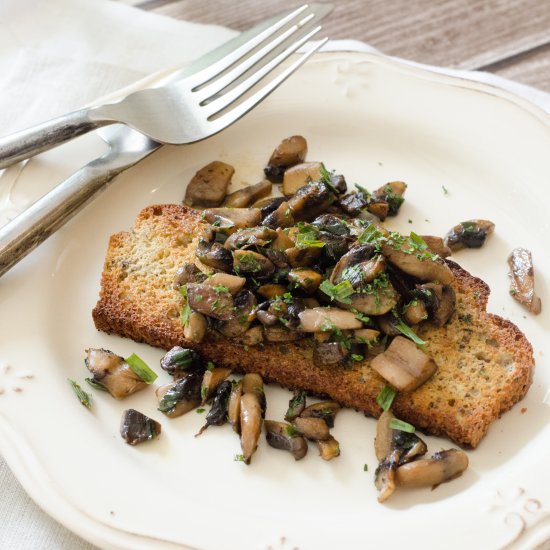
36,139
35,224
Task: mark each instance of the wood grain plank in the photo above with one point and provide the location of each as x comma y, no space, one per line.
465,34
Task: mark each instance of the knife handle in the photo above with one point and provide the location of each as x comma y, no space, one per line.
36,139
35,224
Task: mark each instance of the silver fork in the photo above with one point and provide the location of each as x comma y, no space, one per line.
126,148
189,110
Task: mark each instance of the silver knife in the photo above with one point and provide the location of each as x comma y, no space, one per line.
126,148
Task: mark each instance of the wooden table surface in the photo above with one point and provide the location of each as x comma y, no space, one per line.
507,37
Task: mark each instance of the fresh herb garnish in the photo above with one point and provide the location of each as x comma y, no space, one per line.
139,366
326,178
393,199
200,410
445,190
220,288
238,458
369,235
406,330
396,424
357,357
83,397
307,236
96,385
291,431
210,365
361,316
385,397
365,467
186,311
340,292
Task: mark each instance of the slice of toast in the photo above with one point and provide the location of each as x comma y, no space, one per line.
485,362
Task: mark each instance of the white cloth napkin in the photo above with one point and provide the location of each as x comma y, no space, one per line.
58,55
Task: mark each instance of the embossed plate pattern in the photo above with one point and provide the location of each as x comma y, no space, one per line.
375,120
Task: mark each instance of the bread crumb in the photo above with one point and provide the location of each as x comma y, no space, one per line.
523,410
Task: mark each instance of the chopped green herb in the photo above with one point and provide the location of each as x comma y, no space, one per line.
83,397
200,410
326,178
340,292
365,467
139,366
410,221
405,330
220,288
467,318
238,458
369,235
291,431
396,424
513,291
210,365
96,385
445,190
357,357
393,199
385,397
360,316
215,304
307,236
186,311
248,262
288,298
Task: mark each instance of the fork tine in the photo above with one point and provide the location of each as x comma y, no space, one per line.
225,100
231,76
239,111
216,68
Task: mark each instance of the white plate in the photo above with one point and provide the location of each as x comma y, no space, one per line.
375,120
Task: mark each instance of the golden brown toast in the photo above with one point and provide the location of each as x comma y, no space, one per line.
485,362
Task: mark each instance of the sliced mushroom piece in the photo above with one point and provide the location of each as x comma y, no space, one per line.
307,279
240,217
252,263
437,246
251,425
329,353
415,312
353,203
254,236
423,268
302,256
335,245
312,428
195,329
392,193
326,319
247,195
212,302
430,472
271,291
217,415
267,319
213,254
332,224
469,234
253,383
440,301
366,335
209,185
188,273
522,280
384,436
253,336
282,216
269,205
355,256
411,445
310,201
211,380
136,428
232,283
296,405
300,175
283,436
283,240
113,373
328,448
386,474
181,396
403,365
181,361
234,406
243,315
379,208
326,410
290,151
387,324
376,301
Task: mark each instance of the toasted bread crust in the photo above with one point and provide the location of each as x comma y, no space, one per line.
485,362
